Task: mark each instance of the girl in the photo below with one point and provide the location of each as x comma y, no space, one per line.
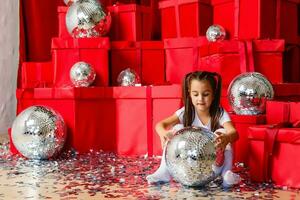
201,96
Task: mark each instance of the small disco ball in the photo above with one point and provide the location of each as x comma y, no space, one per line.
215,33
39,132
190,155
87,19
248,93
82,74
128,77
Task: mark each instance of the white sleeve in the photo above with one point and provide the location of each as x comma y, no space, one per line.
224,118
179,113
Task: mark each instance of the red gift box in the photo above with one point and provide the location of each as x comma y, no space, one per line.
37,74
182,57
89,114
185,18
258,19
62,27
291,62
139,57
130,22
231,58
165,101
68,51
287,91
272,155
241,146
280,111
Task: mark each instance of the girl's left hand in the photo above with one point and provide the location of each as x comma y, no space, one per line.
221,141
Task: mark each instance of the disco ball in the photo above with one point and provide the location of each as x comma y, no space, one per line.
87,19
215,33
190,155
82,74
128,77
39,132
248,93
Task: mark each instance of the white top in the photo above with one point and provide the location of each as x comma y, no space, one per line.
197,122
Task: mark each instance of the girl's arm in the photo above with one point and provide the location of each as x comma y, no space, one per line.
230,136
163,128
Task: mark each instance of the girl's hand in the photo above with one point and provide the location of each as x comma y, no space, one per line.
221,140
168,135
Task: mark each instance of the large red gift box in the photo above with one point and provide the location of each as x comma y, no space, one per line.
68,51
146,58
185,18
62,27
130,22
89,114
37,74
182,57
273,155
258,19
231,58
165,101
241,146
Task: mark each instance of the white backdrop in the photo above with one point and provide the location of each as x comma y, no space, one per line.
9,55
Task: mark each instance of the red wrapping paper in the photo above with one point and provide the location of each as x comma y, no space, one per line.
185,18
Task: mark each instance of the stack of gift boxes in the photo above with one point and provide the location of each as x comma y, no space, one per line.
162,41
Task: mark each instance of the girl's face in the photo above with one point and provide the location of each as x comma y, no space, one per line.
201,94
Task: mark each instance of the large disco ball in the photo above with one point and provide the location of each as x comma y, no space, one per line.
87,19
190,155
128,77
39,132
248,93
82,74
215,33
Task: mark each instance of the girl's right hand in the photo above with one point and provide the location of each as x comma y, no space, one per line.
166,136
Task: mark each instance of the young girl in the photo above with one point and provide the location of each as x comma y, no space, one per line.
201,96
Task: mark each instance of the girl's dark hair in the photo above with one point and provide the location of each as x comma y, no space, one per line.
215,110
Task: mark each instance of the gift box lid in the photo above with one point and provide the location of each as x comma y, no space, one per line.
118,45
65,93
130,92
166,91
286,135
234,46
186,42
172,3
129,8
80,43
248,119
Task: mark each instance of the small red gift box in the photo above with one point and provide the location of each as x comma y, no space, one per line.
291,62
182,57
68,51
62,27
241,146
258,19
273,155
146,58
130,22
231,58
37,74
185,18
280,111
89,114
